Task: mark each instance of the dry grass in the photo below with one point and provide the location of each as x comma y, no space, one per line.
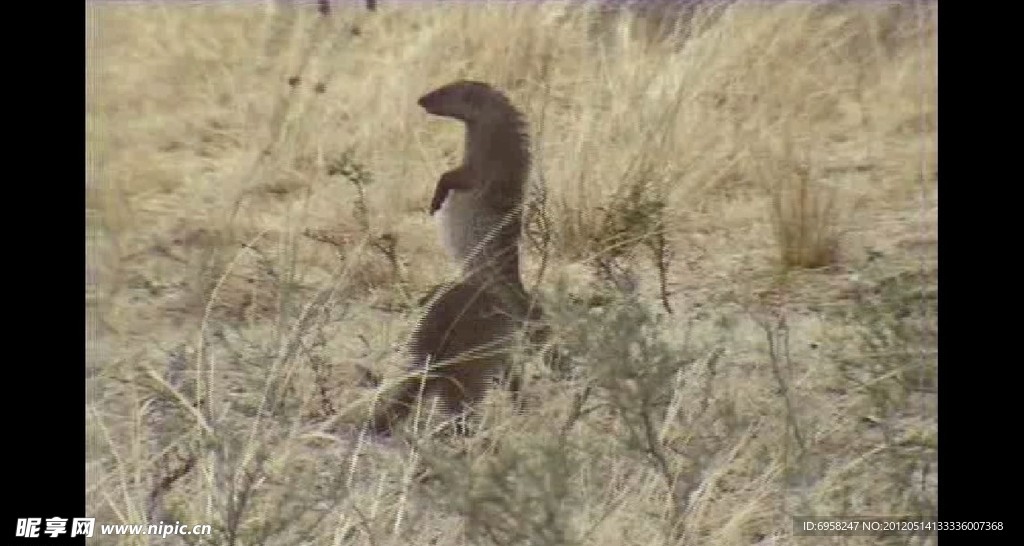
257,227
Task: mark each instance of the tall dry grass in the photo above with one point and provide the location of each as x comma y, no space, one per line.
258,180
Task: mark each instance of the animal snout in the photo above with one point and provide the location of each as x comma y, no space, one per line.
431,102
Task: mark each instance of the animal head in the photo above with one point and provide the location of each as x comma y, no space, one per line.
465,100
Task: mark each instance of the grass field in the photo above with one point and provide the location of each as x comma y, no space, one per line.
733,226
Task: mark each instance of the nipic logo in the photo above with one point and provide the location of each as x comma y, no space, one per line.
55,526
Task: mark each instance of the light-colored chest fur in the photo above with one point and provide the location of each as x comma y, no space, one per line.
464,221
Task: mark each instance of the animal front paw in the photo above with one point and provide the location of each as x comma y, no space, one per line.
439,196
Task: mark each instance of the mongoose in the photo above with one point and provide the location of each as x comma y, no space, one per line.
479,203
465,333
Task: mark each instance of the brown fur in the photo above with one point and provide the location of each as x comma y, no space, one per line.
480,201
459,349
461,344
